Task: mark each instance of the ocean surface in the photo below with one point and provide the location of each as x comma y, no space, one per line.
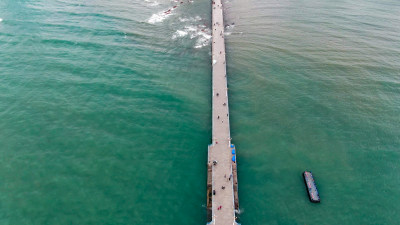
105,110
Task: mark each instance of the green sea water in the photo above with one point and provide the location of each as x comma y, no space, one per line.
105,110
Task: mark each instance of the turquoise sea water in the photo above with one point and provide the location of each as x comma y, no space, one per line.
105,110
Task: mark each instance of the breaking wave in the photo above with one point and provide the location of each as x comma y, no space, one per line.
160,16
201,33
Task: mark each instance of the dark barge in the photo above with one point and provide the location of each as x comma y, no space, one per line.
311,187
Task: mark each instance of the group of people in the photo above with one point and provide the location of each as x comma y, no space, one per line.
222,187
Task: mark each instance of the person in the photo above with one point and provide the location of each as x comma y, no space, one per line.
218,117
213,192
217,94
223,187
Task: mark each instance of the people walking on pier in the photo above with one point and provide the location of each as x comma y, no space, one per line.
223,152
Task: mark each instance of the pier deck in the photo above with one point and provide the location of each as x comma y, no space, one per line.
223,182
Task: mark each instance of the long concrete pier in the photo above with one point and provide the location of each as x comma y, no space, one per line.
222,186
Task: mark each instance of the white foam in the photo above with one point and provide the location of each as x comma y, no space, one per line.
179,33
203,41
159,17
152,3
228,29
190,19
200,33
1,20
183,19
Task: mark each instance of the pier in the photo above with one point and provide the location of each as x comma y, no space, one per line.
222,184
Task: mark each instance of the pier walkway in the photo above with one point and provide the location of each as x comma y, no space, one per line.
222,177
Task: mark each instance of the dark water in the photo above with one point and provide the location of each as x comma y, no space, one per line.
105,110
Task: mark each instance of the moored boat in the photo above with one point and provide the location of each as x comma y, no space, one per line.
311,187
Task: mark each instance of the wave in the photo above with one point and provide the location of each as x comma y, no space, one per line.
200,32
203,41
191,19
1,20
160,16
228,29
152,3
